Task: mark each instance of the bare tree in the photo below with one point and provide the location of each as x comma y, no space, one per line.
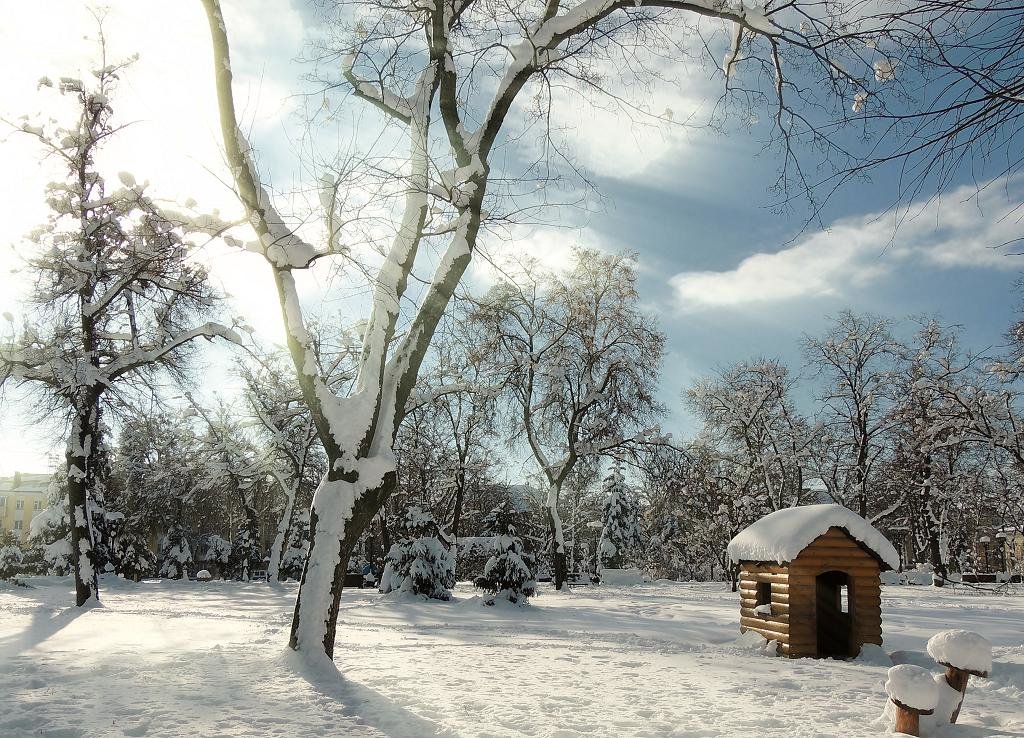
461,402
750,421
116,298
856,357
580,361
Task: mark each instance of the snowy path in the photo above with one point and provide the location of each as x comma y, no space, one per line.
177,659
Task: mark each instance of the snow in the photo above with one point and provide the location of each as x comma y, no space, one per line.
783,534
173,658
912,686
623,577
962,649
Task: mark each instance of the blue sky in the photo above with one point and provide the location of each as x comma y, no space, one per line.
728,277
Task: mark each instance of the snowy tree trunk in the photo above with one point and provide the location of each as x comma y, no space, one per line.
79,465
559,558
460,494
283,526
337,518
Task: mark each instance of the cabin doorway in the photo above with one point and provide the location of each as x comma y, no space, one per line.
834,614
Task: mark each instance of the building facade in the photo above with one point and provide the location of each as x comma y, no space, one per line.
22,497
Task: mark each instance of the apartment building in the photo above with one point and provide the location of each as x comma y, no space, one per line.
22,497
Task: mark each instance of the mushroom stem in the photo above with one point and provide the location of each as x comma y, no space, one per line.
957,679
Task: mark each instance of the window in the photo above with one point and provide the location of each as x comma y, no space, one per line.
19,504
17,525
764,598
37,505
3,502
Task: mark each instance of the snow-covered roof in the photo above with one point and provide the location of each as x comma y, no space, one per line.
782,535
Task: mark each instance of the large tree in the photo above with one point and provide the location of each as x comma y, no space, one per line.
117,297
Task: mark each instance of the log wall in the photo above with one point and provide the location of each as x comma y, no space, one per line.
793,620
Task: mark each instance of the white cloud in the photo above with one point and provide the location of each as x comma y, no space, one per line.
957,230
550,247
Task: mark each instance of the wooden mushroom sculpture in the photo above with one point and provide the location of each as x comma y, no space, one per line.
963,653
913,693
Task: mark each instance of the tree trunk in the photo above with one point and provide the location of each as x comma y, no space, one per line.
334,532
79,465
460,493
283,526
559,557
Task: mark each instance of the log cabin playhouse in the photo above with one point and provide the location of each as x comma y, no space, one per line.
809,579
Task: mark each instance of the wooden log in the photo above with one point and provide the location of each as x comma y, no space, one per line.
908,722
771,631
770,577
750,612
908,719
812,566
764,569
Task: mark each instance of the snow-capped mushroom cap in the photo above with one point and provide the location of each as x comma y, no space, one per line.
783,534
912,688
962,649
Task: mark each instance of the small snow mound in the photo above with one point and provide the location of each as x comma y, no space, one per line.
873,655
962,649
949,700
913,687
783,534
203,576
623,577
753,641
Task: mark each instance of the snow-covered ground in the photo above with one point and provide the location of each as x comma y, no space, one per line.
169,658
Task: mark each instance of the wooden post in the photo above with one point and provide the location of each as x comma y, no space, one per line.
908,719
957,679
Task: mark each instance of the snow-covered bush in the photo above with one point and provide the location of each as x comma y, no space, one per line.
10,561
133,558
175,554
506,574
246,555
621,536
218,553
420,563
50,537
294,555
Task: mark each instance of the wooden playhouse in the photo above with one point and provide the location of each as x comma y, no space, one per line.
809,579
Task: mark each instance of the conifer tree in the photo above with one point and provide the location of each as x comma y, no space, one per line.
298,545
11,556
507,574
621,536
175,554
420,563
